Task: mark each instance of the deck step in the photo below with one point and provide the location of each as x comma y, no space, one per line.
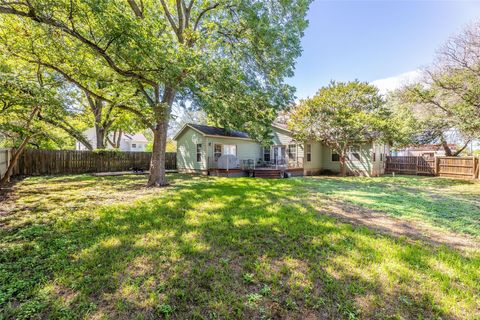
268,174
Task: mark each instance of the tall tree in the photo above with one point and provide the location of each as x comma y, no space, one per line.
448,97
229,57
24,96
341,115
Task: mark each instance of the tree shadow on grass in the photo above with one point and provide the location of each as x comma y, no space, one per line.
226,248
421,198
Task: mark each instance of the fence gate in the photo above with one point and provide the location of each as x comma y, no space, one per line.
410,165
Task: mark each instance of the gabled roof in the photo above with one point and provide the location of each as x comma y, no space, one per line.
216,131
136,137
222,132
213,131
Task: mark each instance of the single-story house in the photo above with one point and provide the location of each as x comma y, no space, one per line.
200,148
128,141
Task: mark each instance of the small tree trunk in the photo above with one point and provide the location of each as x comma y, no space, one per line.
119,139
343,166
14,160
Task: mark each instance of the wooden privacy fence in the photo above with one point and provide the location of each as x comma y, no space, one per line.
46,162
454,167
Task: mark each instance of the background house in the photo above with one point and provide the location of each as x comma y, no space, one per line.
424,150
199,147
128,142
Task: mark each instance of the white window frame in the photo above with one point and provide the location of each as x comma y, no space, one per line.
215,153
199,147
295,153
269,153
308,152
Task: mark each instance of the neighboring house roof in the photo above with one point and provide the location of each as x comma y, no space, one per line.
429,147
136,137
281,126
213,131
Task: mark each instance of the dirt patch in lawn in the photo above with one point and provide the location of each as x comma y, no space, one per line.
411,229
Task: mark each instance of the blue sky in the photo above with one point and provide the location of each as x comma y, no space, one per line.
371,40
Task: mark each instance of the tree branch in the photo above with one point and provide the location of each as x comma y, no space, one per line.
138,12
31,14
202,13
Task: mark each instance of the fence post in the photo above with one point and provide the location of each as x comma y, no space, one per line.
437,164
475,167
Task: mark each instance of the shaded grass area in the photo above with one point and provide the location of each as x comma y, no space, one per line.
444,203
208,248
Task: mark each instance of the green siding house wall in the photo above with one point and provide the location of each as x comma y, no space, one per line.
366,159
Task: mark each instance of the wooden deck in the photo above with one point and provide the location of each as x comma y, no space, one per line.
267,173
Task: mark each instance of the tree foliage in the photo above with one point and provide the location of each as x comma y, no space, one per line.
448,96
341,115
228,57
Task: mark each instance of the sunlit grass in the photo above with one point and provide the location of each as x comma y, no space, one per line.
84,247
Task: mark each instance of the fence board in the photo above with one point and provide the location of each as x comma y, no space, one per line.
453,167
48,162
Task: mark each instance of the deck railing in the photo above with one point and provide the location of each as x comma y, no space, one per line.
252,164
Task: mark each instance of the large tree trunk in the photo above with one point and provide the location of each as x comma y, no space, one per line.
157,176
14,160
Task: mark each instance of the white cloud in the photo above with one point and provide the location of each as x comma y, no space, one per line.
392,83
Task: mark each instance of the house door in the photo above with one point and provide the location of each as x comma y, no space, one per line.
279,154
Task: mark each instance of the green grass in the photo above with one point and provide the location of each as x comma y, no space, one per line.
217,248
444,203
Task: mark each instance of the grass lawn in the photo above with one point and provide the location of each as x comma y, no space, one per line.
241,248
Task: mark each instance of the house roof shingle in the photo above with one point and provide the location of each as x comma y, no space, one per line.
215,131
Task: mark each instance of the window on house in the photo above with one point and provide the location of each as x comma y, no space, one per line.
217,151
134,145
374,156
354,154
335,157
199,152
266,154
230,149
292,151
381,156
309,152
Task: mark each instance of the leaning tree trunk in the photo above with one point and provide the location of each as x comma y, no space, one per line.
157,176
446,147
14,160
